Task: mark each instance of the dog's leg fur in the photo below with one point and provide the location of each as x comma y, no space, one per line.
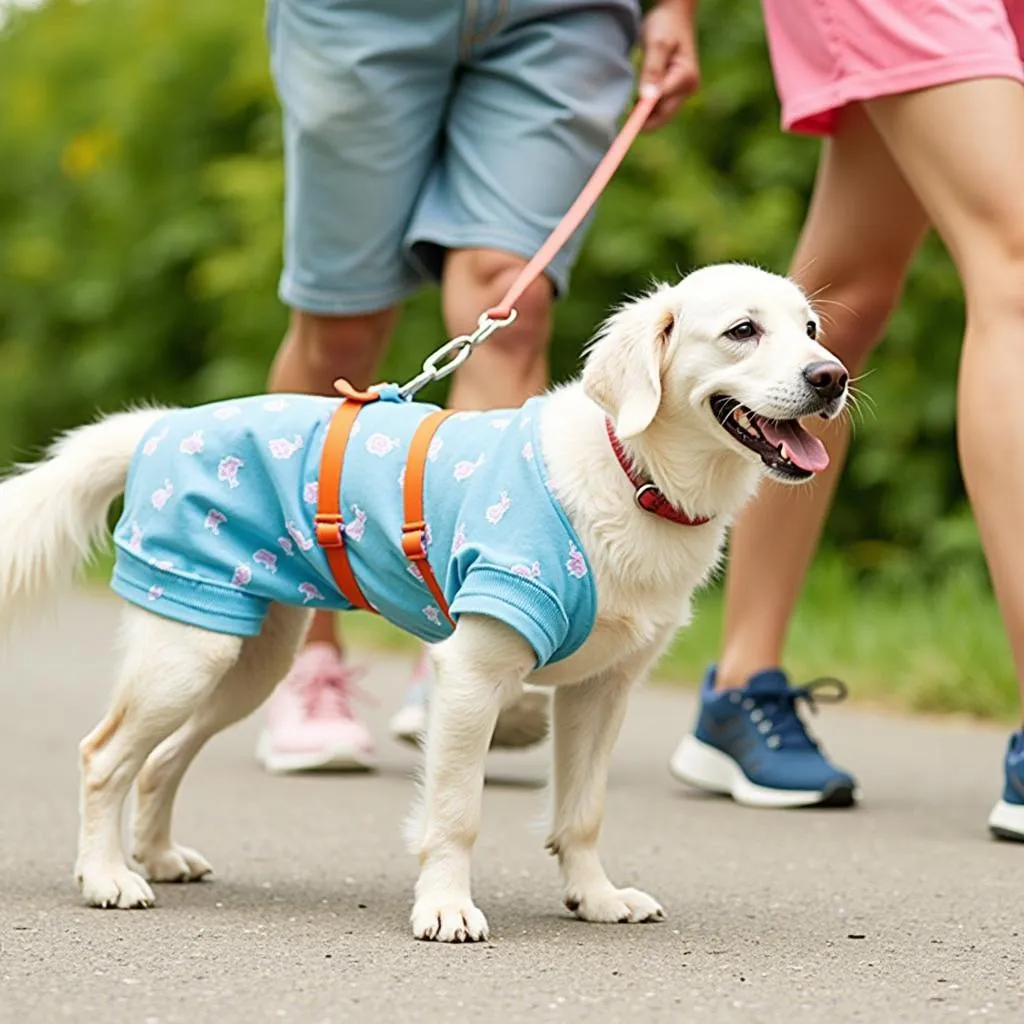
477,669
168,670
587,719
245,686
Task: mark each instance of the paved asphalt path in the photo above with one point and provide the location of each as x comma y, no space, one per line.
902,910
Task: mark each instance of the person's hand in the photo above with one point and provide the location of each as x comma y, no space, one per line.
670,57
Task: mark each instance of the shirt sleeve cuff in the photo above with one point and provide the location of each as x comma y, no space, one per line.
522,604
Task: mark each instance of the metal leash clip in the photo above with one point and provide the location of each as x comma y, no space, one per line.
451,355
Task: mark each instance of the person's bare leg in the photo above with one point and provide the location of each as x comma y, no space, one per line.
310,722
962,146
862,229
317,351
512,365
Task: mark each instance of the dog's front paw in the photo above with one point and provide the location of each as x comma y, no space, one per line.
615,906
114,885
447,920
173,864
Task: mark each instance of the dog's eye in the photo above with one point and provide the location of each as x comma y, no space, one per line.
812,329
745,330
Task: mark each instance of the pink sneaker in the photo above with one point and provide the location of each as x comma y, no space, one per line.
310,722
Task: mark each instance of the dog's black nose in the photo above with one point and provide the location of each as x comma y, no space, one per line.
828,379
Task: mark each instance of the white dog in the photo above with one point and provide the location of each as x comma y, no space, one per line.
695,390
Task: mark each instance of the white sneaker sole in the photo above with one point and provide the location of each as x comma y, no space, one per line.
524,723
1007,821
703,767
340,759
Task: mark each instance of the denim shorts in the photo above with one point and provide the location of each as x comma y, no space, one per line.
416,126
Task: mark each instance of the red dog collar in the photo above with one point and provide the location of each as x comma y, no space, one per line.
646,495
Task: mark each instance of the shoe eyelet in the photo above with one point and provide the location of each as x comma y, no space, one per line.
765,726
734,698
756,715
773,742
747,704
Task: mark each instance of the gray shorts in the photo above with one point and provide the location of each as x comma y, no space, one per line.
417,126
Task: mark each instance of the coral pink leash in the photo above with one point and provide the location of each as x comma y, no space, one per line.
649,96
450,356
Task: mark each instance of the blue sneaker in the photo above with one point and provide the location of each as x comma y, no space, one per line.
1007,818
751,744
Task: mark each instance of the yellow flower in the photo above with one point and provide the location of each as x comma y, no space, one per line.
85,153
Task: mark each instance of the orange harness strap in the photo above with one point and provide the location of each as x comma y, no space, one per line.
413,546
330,526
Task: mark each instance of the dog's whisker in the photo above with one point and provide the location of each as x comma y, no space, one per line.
837,302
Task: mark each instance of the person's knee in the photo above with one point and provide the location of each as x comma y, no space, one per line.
995,291
490,275
330,347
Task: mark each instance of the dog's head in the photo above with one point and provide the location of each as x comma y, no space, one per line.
730,350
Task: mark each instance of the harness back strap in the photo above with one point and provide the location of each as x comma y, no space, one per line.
329,524
413,540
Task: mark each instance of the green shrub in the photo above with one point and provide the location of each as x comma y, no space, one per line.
140,228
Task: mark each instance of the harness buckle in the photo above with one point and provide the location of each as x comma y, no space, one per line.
330,529
412,542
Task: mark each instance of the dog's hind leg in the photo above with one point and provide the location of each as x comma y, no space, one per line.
244,687
169,668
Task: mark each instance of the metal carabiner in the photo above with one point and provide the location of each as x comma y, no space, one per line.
452,354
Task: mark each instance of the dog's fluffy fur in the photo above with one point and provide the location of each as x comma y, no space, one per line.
652,369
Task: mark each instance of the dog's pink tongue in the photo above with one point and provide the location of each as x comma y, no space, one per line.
802,449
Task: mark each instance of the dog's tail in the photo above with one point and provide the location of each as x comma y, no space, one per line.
54,513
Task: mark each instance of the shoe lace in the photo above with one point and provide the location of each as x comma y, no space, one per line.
332,691
776,712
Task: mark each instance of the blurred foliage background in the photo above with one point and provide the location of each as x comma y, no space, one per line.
140,232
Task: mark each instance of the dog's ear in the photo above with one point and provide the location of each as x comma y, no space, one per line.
625,363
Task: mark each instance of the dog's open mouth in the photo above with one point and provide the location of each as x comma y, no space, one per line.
784,446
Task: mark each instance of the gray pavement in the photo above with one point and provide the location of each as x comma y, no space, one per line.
902,910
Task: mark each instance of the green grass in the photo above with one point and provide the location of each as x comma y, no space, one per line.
934,650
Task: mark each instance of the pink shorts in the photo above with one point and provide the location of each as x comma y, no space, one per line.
827,53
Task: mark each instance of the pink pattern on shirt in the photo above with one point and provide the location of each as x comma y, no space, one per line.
496,512
577,564
459,539
162,495
214,520
298,536
530,572
267,559
242,575
282,448
381,445
152,443
355,529
135,541
193,444
465,469
227,470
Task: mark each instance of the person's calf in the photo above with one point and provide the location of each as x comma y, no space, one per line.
319,349
511,366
